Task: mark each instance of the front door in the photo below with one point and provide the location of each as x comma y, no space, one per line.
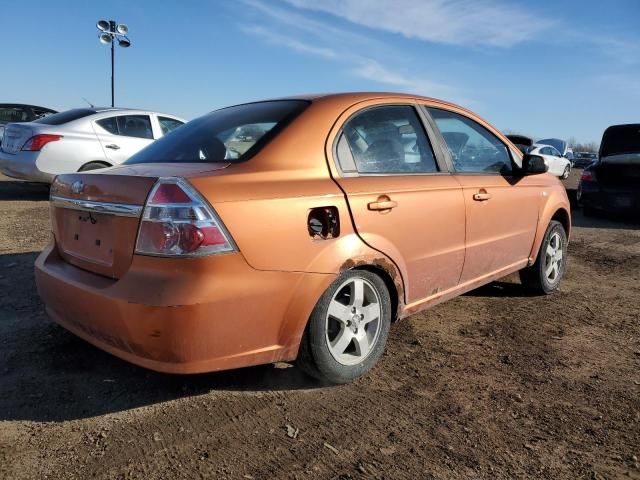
403,203
502,209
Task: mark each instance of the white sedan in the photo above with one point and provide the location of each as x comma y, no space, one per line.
79,140
558,165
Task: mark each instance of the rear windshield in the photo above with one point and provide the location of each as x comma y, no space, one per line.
231,134
65,117
620,139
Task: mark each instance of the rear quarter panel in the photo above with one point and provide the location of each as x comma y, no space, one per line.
67,155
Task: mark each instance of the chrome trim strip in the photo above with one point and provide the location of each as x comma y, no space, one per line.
118,209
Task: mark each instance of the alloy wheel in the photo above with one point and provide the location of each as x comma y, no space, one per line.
553,259
353,321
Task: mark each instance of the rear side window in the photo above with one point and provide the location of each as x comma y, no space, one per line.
168,124
65,117
473,148
109,124
231,134
138,126
388,139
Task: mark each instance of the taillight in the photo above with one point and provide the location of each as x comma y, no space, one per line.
588,176
35,143
177,221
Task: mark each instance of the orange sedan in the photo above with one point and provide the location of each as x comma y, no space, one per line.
296,229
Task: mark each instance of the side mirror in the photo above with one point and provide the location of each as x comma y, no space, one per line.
534,164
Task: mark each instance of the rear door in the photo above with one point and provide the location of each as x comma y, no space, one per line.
501,208
122,136
404,202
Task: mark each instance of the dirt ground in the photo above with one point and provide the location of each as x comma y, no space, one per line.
494,384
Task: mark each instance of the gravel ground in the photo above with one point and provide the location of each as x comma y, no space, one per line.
494,384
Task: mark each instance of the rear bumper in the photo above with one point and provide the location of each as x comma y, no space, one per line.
593,195
23,166
183,316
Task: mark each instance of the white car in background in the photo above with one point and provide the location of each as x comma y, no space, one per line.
558,165
79,140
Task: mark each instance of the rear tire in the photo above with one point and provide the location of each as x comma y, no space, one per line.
93,166
566,173
545,274
348,328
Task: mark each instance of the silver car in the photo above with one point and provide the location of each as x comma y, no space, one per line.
78,140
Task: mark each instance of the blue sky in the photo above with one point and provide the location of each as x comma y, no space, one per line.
564,68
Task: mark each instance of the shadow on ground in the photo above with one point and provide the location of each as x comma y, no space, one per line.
501,289
13,190
48,374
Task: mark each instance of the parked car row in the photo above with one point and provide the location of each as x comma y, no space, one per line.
559,161
584,159
78,140
291,229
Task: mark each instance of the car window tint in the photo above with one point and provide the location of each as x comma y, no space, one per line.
14,114
389,139
109,124
168,124
473,148
230,134
134,126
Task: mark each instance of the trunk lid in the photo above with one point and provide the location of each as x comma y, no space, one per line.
15,136
620,140
95,216
95,219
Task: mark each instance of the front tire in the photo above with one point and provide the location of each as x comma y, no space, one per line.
566,173
545,274
348,328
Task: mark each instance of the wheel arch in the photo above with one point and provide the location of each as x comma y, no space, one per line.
101,162
392,287
561,215
559,211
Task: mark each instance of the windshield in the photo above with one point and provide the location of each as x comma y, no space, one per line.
620,139
65,117
231,134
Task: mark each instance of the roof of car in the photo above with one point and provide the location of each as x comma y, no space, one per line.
355,97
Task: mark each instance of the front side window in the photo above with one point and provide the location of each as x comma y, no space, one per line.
388,139
228,135
168,124
473,148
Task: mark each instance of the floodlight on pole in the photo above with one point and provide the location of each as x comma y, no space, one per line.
109,32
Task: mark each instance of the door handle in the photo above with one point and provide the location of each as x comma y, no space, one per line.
112,146
481,196
383,203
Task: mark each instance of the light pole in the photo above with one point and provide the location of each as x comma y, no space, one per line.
109,32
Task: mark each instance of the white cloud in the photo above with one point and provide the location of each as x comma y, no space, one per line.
456,22
359,66
375,72
288,42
